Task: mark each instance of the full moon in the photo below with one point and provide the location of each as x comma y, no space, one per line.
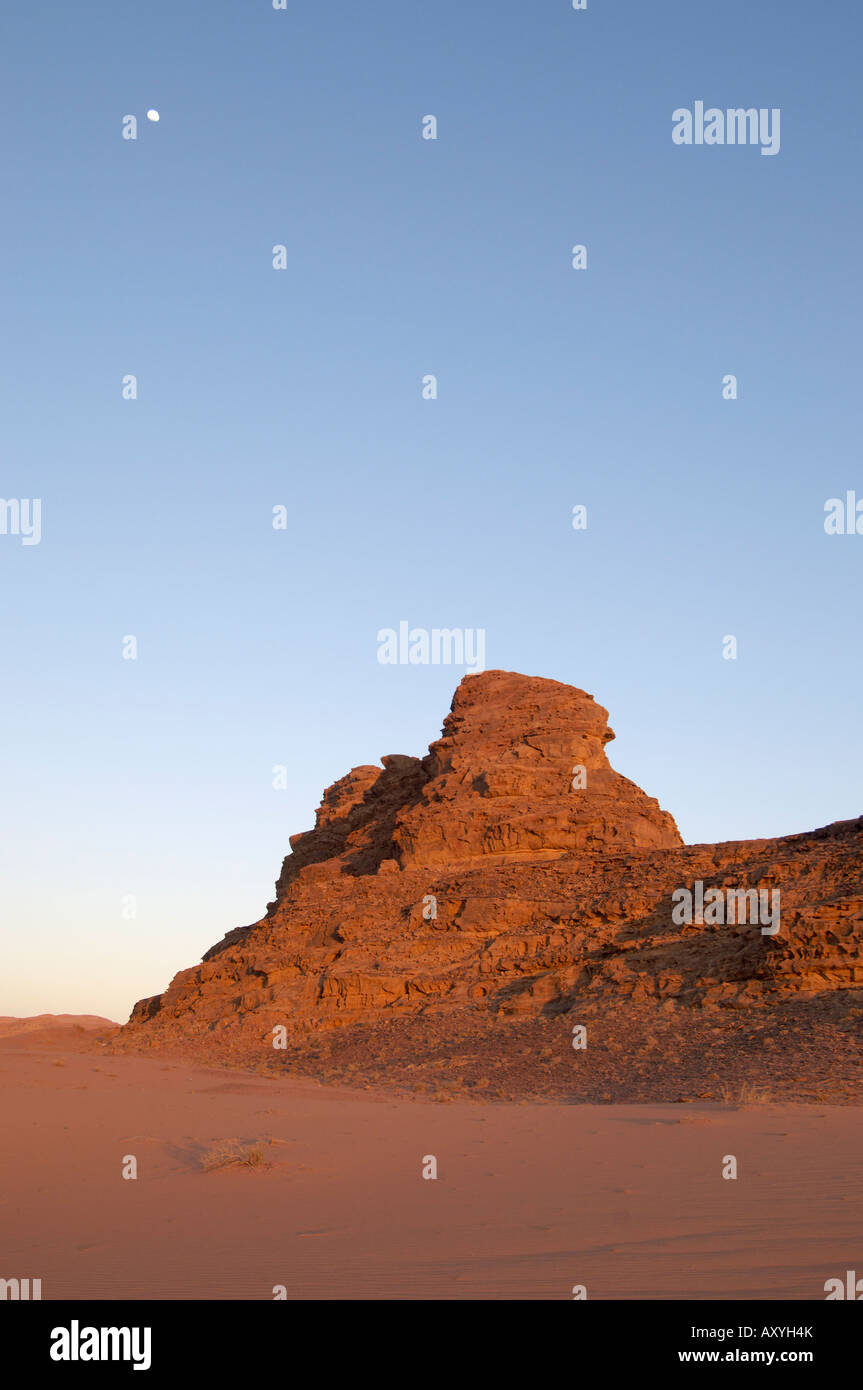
152,115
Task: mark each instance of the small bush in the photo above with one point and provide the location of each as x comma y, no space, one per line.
746,1093
233,1153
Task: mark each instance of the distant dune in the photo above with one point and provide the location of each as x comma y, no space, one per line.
10,1027
73,1032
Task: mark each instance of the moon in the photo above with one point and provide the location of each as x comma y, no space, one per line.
152,115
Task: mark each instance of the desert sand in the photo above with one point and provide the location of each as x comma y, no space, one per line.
530,1199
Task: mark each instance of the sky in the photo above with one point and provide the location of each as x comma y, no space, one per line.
139,820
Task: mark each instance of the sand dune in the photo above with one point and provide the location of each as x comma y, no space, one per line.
11,1027
530,1199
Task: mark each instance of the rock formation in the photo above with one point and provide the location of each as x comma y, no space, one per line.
469,908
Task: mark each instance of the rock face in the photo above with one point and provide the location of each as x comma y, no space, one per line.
498,784
511,876
521,772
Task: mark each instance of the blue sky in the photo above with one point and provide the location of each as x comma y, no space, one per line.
301,387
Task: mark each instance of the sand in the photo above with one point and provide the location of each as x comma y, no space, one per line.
530,1199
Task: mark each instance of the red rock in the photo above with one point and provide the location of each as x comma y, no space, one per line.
549,904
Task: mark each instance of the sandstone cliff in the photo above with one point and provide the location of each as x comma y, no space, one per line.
466,909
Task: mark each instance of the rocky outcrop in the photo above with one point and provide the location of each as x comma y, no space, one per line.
512,875
520,772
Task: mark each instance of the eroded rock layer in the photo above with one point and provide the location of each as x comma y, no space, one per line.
511,885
